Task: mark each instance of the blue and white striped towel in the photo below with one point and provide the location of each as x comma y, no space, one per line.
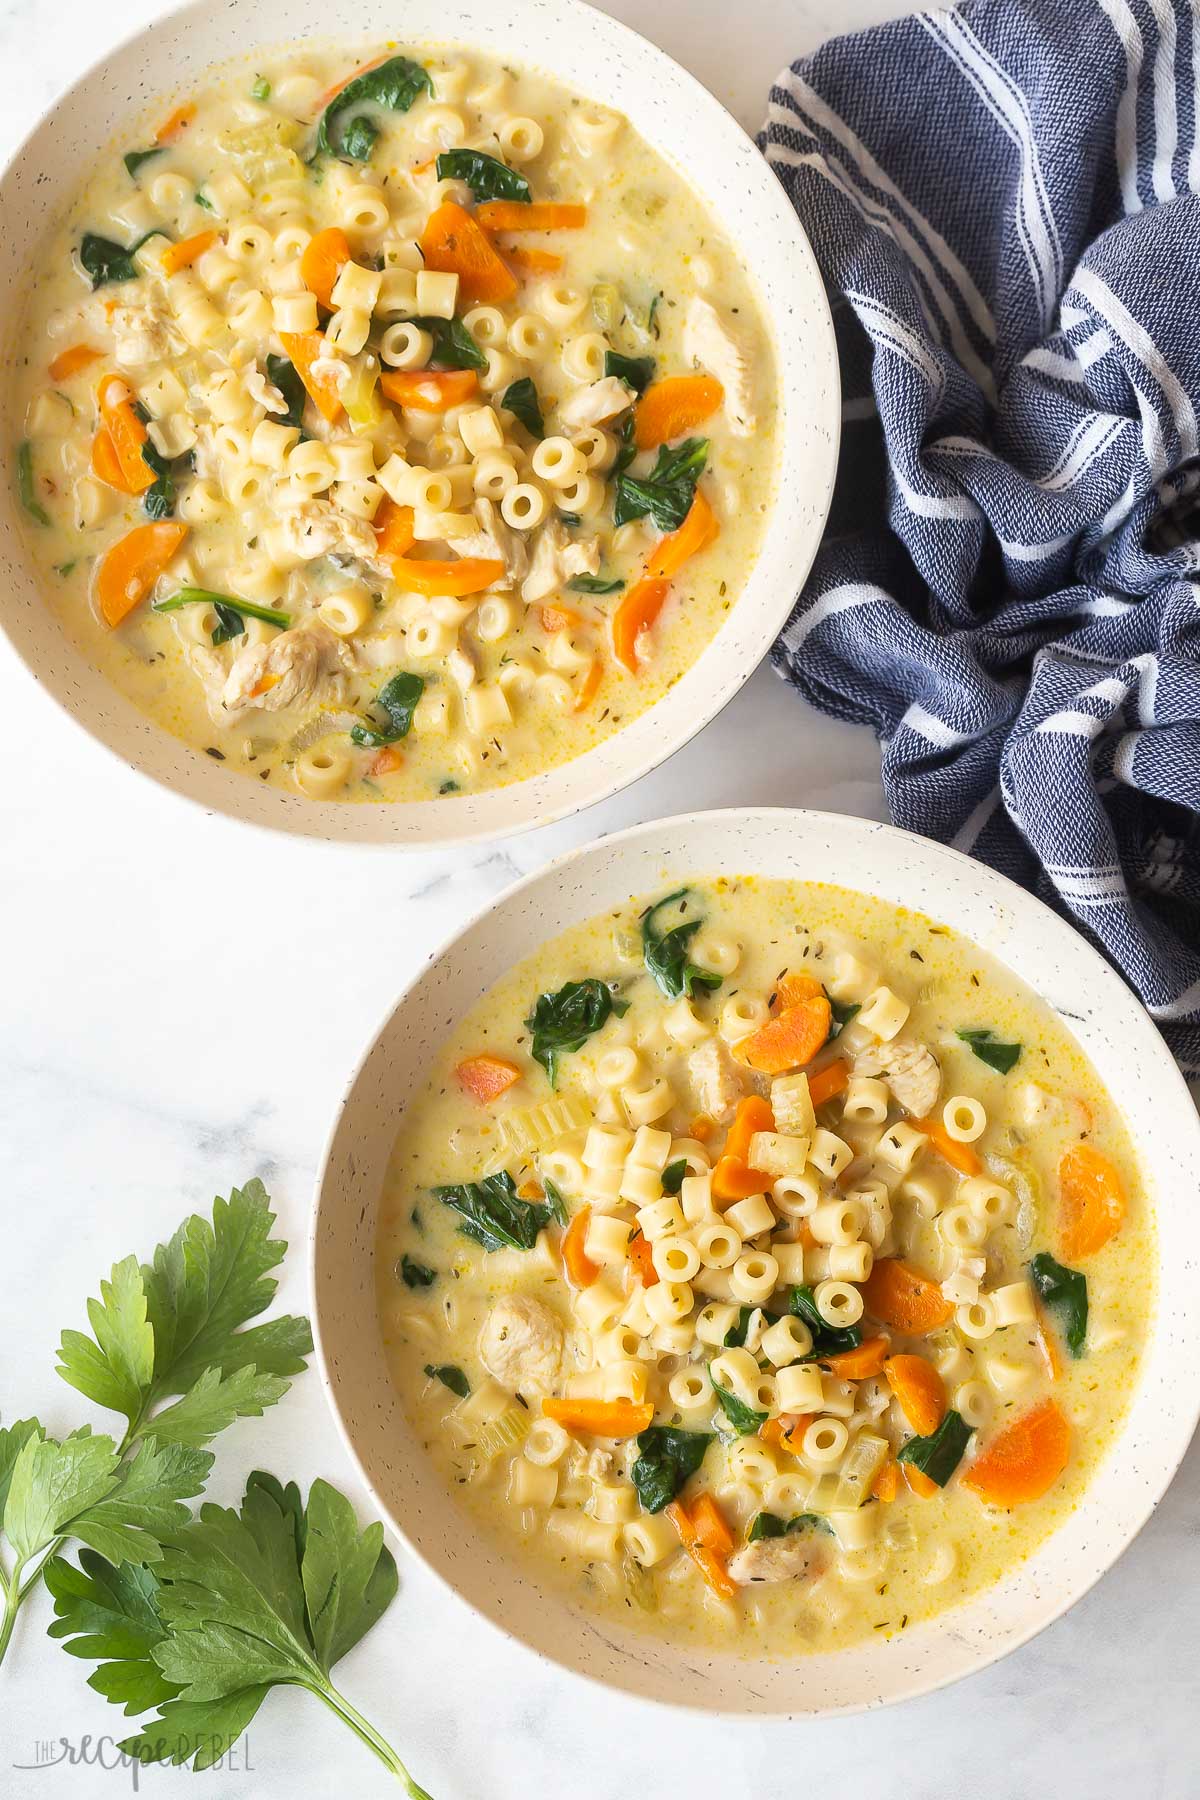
1005,203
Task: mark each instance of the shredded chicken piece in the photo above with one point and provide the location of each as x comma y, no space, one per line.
909,1069
263,391
716,1084
556,557
521,1345
317,527
141,336
299,666
717,347
772,1559
497,542
596,404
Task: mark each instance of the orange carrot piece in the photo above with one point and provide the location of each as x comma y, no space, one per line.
702,1128
189,250
127,433
793,988
698,530
732,1179
886,1484
559,618
486,1077
601,1418
69,362
394,529
531,262
919,1389
388,760
920,1483
129,568
828,1082
1048,1349
900,1296
752,1116
304,348
324,258
173,128
710,1565
537,215
790,1040
455,244
106,464
959,1156
1091,1201
641,1255
866,1359
708,1522
332,93
587,687
468,575
581,1270
674,406
636,612
1025,1459
786,1431
428,390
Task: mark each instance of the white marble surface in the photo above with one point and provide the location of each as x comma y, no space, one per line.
143,1069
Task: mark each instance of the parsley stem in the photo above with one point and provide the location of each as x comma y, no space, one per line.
363,1729
12,1600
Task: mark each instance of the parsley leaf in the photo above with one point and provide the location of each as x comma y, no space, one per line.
398,699
667,1458
394,85
487,177
665,953
667,492
565,1020
636,372
999,1056
494,1216
110,1613
520,398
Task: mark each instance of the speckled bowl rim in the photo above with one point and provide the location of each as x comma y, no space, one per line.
1165,1130
705,140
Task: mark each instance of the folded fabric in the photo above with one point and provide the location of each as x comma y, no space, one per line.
1005,203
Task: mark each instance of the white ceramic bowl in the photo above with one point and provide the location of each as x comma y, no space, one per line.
607,61
1103,1016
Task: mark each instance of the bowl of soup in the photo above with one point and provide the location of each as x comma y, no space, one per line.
409,440
752,1264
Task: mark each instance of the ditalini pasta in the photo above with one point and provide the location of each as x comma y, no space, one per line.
779,1339
392,432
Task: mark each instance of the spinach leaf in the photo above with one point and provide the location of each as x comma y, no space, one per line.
667,1457
133,159
158,501
770,1525
415,1274
667,492
105,261
520,398
636,372
564,1021
595,584
673,1176
999,1056
627,448
26,492
555,1204
201,200
283,374
231,612
358,139
398,699
453,345
744,1419
569,518
494,1216
735,1337
230,624
486,176
394,85
450,1376
828,1340
841,1013
939,1454
665,953
1066,1291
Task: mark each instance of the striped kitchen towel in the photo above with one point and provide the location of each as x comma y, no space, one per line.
1005,203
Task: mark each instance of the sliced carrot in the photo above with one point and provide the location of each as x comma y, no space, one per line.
323,259
959,1156
786,1431
636,612
174,127
586,692
900,1296
129,568
921,1483
1091,1201
559,618
828,1082
793,988
641,1255
453,243
386,762
428,390
486,1077
601,1418
673,406
1025,1459
581,1270
69,362
305,348
531,1190
702,1128
886,1484
752,1116
708,1522
866,1359
919,1389
537,215
332,93
789,1041
467,575
187,251
394,529
710,1565
732,1179
699,529
1048,1350
127,433
532,262
106,464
